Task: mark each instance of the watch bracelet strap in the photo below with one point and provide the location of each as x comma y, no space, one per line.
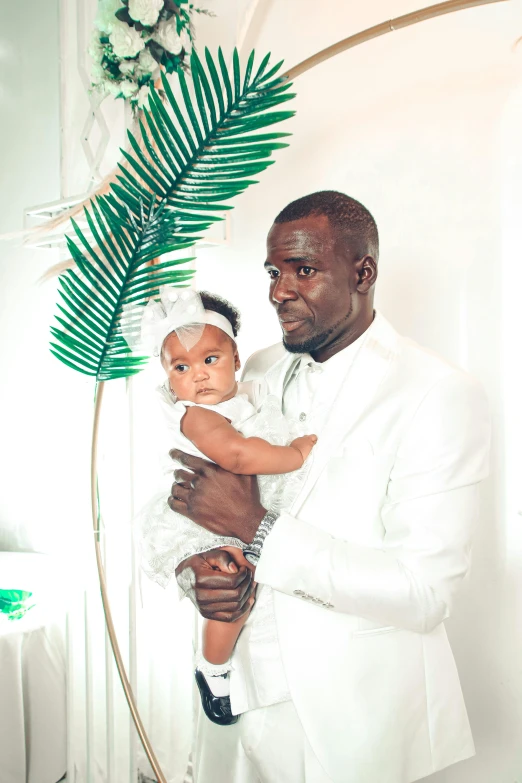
265,526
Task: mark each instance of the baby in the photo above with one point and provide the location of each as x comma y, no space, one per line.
196,337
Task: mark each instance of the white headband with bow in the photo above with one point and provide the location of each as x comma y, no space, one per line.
146,327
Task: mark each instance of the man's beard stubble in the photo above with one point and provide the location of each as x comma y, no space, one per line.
312,344
317,341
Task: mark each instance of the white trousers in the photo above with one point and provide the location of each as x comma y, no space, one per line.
267,745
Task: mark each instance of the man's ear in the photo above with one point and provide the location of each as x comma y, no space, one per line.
366,273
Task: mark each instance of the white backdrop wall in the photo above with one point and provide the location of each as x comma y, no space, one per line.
40,399
423,126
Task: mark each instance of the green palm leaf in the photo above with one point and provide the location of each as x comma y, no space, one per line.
194,155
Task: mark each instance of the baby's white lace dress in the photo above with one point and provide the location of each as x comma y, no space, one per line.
165,537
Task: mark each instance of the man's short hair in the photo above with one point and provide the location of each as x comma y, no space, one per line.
348,217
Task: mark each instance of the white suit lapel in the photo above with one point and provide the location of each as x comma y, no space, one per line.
277,376
353,396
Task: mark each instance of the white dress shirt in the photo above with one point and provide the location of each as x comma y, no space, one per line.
258,677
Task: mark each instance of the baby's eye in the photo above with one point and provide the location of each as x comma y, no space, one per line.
306,271
211,359
273,273
181,367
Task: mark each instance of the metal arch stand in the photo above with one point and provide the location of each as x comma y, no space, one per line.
433,11
129,695
398,23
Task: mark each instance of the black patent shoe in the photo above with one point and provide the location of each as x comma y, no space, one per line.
216,708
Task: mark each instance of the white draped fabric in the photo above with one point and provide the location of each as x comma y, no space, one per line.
32,675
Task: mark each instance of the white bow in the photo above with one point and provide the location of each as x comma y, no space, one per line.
145,327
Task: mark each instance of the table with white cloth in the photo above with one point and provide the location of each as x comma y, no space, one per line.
33,728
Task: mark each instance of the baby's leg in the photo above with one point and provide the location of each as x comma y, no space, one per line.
219,639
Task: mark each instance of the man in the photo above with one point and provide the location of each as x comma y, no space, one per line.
353,679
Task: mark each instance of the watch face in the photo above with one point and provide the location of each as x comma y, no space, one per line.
251,556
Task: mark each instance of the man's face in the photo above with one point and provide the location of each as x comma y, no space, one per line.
207,373
315,284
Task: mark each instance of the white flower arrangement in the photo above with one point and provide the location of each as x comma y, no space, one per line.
134,39
145,11
125,41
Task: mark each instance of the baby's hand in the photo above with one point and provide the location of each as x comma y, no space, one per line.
304,444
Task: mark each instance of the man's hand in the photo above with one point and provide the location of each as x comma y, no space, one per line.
222,590
222,502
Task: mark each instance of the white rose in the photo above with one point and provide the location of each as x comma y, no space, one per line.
106,15
143,95
127,66
125,40
167,36
145,11
147,62
128,88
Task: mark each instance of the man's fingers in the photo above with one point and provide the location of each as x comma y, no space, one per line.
221,559
214,599
223,617
228,616
208,579
184,477
180,492
196,464
178,505
238,559
227,606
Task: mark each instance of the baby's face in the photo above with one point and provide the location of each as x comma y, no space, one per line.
207,373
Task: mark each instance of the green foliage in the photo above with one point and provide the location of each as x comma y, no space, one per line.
194,156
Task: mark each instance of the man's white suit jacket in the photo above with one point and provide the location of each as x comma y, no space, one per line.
366,562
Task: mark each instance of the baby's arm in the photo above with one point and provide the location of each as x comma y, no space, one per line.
215,437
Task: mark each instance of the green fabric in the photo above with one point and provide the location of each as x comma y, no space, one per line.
15,603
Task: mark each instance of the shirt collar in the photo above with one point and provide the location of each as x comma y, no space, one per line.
342,360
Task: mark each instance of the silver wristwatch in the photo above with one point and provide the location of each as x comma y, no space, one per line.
252,552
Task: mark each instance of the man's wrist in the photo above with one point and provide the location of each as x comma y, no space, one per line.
252,551
249,530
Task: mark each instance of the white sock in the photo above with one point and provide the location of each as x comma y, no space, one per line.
220,685
216,675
